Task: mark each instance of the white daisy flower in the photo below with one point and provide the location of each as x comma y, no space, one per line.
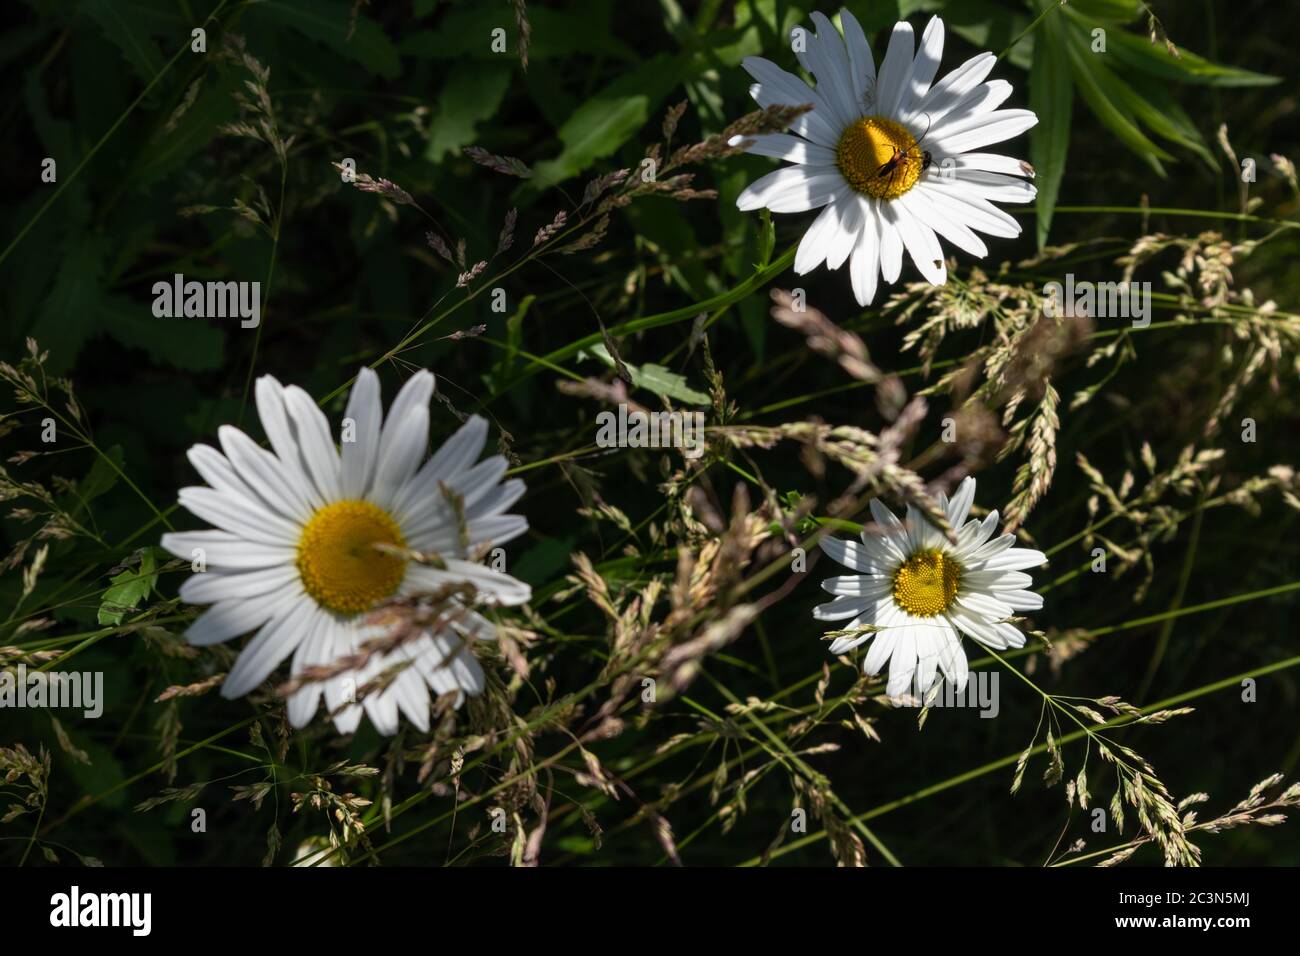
293,556
887,154
923,592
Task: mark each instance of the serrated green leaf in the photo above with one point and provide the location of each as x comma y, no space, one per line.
129,588
192,345
655,378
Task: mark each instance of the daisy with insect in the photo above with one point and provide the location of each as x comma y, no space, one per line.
891,157
310,538
917,592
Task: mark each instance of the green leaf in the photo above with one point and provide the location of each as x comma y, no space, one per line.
193,345
328,21
656,378
101,477
468,98
988,25
68,318
1152,58
1116,11
611,117
126,26
129,588
1051,97
1096,85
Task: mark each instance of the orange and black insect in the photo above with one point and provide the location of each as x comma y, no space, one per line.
889,169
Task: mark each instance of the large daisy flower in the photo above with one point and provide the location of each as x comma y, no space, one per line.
918,592
887,154
310,537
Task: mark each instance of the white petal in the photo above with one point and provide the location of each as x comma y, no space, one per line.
851,554
882,646
314,651
358,457
919,203
281,489
852,221
902,664
824,57
963,206
891,244
276,641
792,189
924,67
857,585
962,499
864,268
981,99
401,450
491,585
226,551
997,187
1021,600
982,129
921,244
841,608
280,432
230,618
777,87
239,516
862,66
792,149
949,91
989,162
816,242
457,454
208,587
894,70
319,456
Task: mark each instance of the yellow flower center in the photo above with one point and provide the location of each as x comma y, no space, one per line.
337,559
879,157
926,583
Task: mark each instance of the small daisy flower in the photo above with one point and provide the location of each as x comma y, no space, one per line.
890,156
298,556
923,591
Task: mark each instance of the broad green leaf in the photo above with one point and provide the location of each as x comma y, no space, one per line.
468,98
1051,97
189,344
611,117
